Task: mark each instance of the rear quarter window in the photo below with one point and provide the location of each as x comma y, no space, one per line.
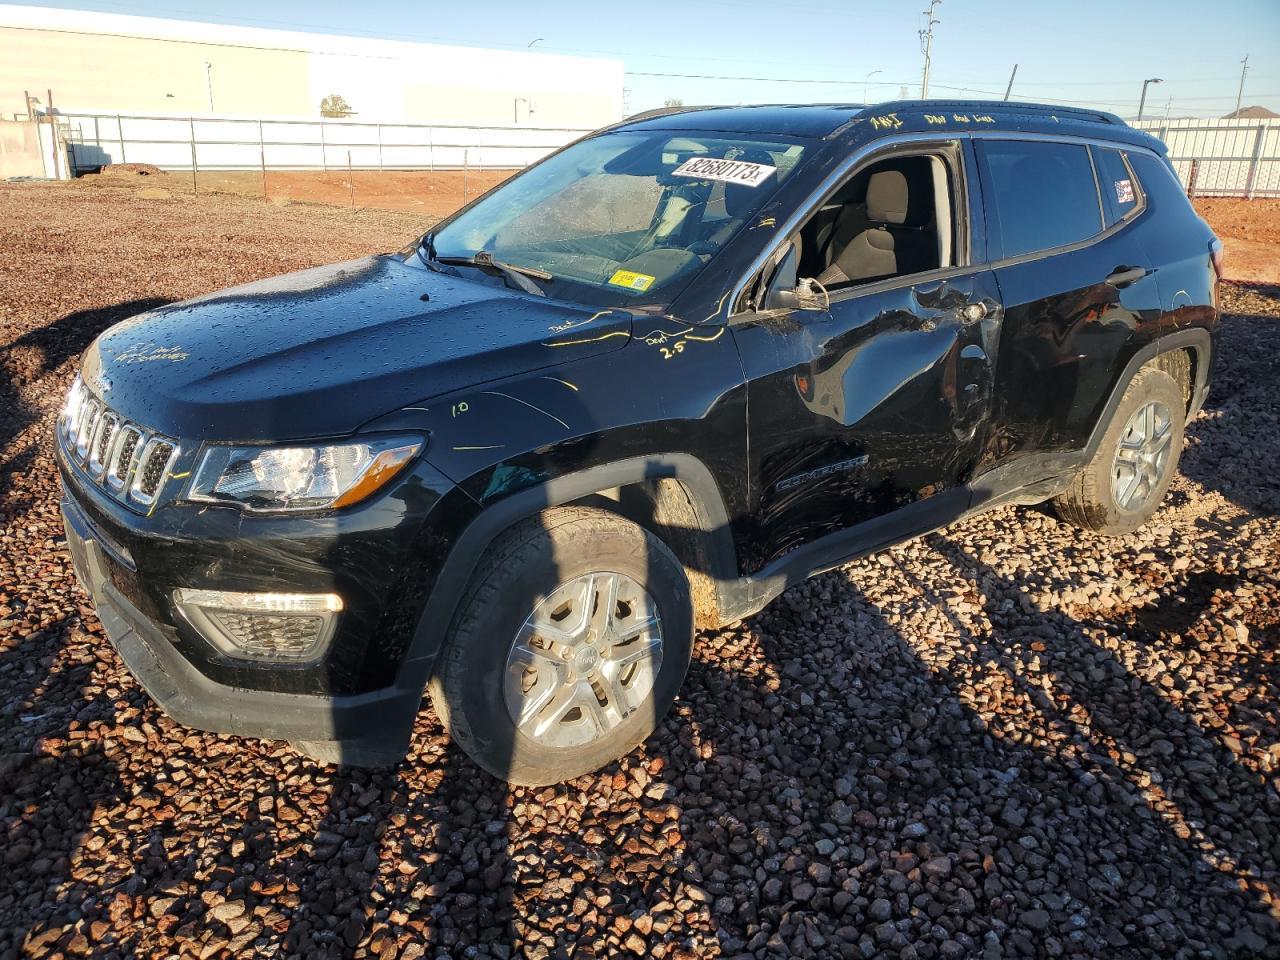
1121,192
1041,194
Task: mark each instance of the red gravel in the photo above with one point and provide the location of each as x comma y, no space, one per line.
1002,740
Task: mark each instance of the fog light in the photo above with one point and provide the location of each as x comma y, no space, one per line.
287,627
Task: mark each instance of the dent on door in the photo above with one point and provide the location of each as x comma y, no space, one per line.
869,408
900,345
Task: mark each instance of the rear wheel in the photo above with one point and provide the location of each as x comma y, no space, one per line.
1130,472
568,648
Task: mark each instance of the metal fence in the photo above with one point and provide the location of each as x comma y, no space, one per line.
1226,158
94,140
1223,158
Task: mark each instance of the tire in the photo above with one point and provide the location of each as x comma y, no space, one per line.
521,575
1094,500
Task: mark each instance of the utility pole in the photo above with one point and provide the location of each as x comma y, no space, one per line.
1009,89
926,43
1244,68
208,82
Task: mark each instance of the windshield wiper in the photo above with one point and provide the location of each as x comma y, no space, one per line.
519,276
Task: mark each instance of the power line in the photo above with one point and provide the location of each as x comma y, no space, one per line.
833,81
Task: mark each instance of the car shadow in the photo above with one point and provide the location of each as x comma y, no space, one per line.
29,361
56,768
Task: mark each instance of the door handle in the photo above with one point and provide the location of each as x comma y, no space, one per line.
1123,276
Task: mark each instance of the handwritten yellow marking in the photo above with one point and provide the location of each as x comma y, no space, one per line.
720,303
983,118
570,324
571,386
179,476
935,118
887,121
960,117
655,337
768,222
719,334
572,343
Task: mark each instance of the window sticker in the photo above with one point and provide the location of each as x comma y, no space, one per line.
1124,191
639,282
727,171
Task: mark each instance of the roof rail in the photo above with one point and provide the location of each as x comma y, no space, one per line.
1005,106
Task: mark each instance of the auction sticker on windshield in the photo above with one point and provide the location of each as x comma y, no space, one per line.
729,171
632,281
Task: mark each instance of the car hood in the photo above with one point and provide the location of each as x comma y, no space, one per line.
320,352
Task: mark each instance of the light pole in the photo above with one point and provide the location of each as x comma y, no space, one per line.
208,82
1143,102
864,84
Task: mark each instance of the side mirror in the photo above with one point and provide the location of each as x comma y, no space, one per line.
785,292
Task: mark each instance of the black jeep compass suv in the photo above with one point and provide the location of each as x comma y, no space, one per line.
640,387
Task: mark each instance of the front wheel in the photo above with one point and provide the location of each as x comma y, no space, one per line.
1120,488
568,647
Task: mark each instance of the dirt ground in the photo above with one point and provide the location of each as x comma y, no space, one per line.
434,194
1250,234
1005,739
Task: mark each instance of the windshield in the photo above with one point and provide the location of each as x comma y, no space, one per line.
623,218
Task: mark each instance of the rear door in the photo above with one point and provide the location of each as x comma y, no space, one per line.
1078,292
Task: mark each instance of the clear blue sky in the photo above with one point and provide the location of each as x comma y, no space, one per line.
1088,51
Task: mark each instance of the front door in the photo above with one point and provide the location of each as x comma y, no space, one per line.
876,402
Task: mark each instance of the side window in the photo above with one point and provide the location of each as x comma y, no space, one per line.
1042,194
1121,192
892,218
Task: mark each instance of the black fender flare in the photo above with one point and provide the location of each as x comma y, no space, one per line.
460,564
1198,339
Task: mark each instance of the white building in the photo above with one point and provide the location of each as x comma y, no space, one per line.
98,62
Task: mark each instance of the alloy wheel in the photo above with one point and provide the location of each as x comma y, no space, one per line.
584,660
1142,456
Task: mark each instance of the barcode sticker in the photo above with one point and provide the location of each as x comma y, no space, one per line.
728,171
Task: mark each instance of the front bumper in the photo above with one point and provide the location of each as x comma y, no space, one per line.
372,728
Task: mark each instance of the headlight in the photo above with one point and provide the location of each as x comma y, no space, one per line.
68,422
300,478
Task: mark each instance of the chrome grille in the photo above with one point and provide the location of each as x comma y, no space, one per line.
122,461
102,439
127,459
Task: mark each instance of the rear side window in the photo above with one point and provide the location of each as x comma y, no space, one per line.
1121,192
1043,194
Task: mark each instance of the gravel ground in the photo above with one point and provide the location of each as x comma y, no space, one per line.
1002,740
